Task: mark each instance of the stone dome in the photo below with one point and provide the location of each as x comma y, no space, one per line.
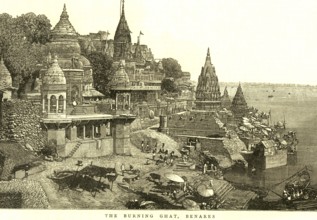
5,76
121,76
54,75
64,27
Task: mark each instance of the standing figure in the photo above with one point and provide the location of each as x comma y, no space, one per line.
205,168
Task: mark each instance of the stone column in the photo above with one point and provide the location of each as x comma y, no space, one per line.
84,131
64,110
43,104
92,131
57,103
48,104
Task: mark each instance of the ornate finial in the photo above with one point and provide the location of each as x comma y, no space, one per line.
55,59
208,56
121,64
122,10
64,13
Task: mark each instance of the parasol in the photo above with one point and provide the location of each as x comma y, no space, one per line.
173,177
264,132
144,203
243,128
204,191
283,142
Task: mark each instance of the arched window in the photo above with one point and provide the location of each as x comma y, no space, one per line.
53,103
60,104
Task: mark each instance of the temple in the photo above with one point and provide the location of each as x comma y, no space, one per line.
239,105
208,95
70,102
225,100
145,74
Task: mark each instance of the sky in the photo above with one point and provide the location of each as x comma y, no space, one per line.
250,41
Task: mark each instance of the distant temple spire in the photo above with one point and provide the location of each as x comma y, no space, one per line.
239,105
225,99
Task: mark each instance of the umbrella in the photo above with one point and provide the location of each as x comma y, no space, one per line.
243,128
190,205
264,132
268,129
283,142
144,203
173,177
204,191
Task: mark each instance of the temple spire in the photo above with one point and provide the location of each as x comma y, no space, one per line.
121,8
208,58
64,13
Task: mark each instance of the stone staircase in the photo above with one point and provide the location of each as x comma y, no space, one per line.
73,151
222,191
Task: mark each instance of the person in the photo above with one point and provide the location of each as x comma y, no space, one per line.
185,186
131,167
211,183
162,148
253,170
166,152
174,194
142,146
153,156
205,168
171,161
122,169
147,146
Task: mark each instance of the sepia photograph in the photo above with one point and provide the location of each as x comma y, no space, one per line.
158,109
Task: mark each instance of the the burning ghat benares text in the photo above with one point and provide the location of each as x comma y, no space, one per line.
160,216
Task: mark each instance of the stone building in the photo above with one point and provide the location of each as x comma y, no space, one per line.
208,95
225,100
6,88
239,105
144,73
5,82
70,115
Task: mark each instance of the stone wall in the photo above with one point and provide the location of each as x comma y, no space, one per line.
21,123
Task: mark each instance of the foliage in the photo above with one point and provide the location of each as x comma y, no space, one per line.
172,68
102,70
22,42
169,85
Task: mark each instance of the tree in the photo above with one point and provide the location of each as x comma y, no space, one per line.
22,42
102,70
171,68
169,86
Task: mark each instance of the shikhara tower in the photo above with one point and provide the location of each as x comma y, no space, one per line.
122,39
239,105
208,96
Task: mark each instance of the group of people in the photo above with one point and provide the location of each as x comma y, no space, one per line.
293,192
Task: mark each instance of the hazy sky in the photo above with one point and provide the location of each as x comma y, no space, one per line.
250,40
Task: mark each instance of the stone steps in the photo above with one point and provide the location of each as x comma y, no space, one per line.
73,151
223,190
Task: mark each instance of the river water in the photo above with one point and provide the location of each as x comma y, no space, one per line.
300,116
